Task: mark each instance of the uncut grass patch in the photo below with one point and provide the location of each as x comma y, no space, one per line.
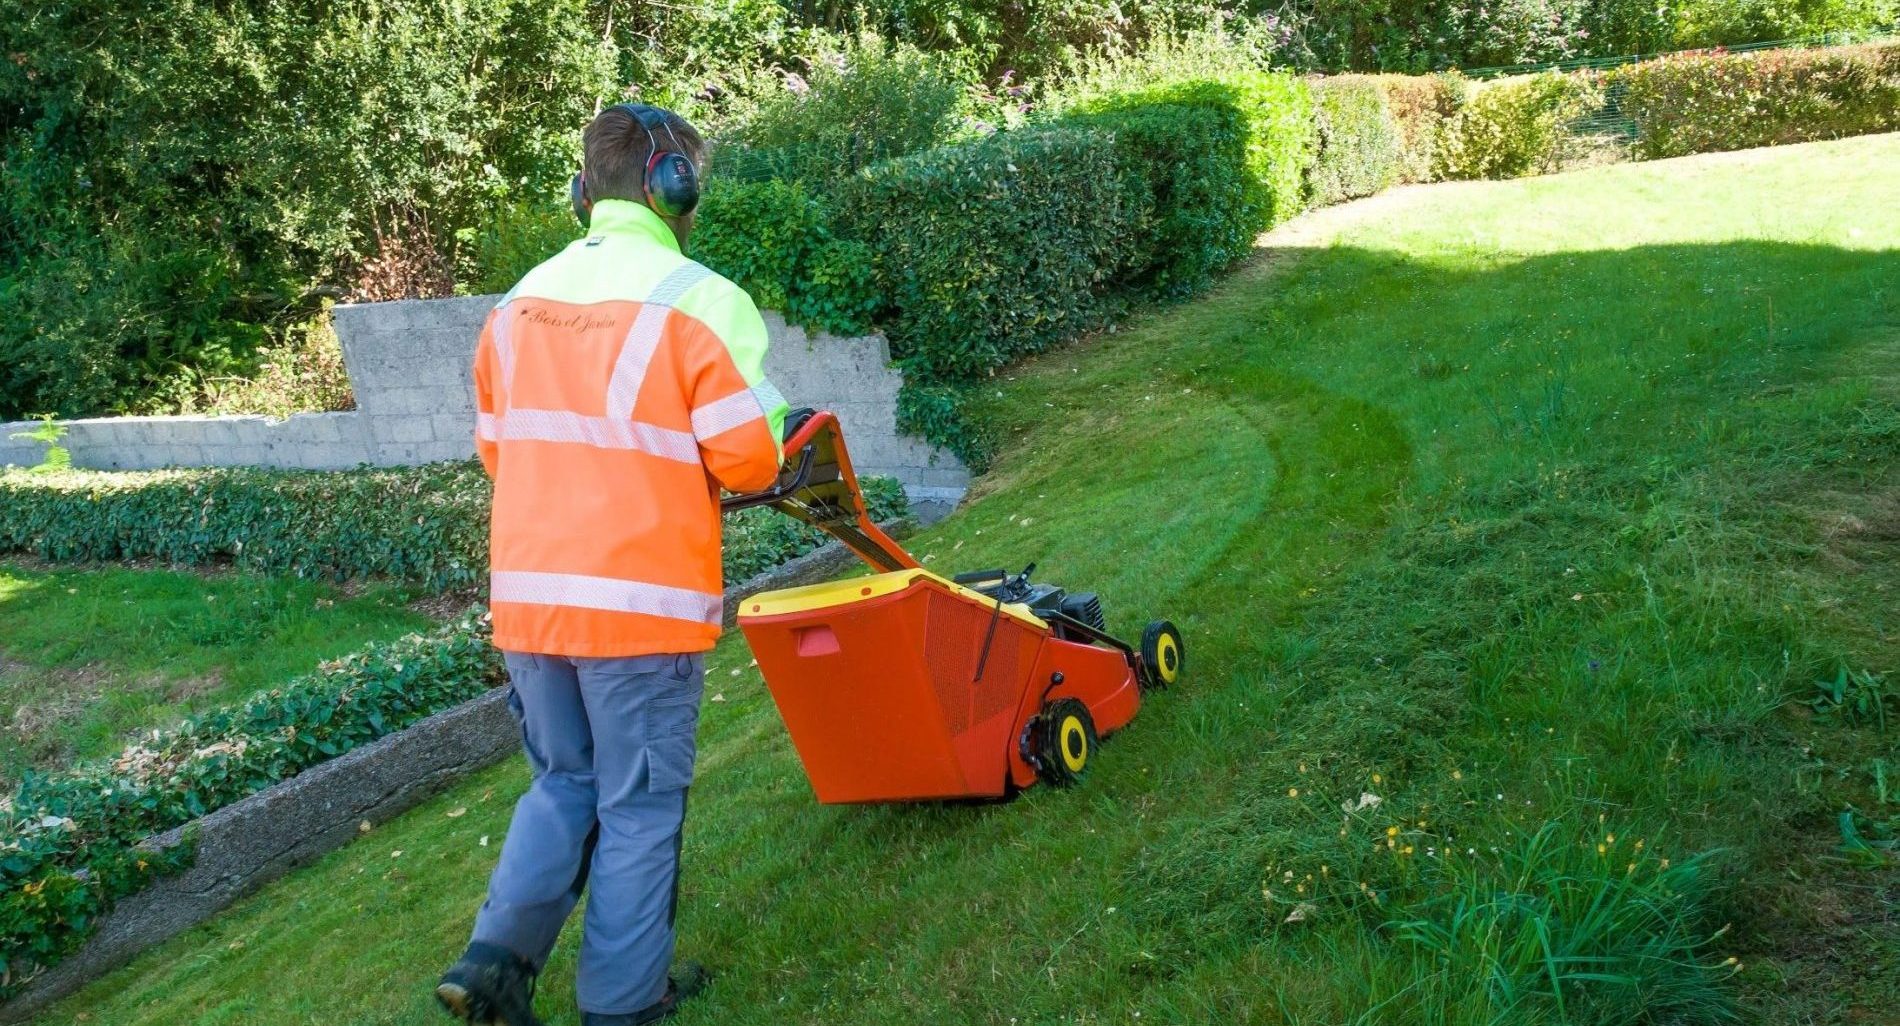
1509,536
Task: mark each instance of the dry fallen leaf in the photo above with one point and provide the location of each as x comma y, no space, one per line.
458,813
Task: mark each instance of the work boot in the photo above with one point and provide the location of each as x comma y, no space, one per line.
686,980
489,985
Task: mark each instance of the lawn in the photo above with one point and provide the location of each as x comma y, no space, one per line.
90,657
1512,536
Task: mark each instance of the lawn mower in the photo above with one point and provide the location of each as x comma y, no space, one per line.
909,686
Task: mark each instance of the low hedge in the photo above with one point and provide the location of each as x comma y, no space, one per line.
70,843
1360,148
990,251
425,525
1698,103
1515,127
1420,106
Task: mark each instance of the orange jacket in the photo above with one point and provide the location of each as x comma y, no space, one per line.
619,386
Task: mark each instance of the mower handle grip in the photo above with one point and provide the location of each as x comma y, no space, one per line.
969,577
786,486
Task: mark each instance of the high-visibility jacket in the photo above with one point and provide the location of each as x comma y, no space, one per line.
619,387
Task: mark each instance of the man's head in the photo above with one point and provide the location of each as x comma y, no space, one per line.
618,148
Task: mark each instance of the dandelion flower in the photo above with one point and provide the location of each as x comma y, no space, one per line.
1392,831
1292,792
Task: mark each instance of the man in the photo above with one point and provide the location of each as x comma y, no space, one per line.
620,386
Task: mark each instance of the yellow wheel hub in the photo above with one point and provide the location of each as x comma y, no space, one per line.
1168,658
1075,744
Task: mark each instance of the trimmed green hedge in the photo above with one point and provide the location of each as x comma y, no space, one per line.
1360,148
1199,211
1515,127
1699,103
991,251
426,525
70,846
775,241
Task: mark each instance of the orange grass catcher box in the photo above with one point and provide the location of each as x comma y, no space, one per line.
908,686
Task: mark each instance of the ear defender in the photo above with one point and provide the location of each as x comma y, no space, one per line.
577,198
671,183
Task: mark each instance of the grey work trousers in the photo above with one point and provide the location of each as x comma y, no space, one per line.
611,745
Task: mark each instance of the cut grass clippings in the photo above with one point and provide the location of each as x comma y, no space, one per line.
1519,539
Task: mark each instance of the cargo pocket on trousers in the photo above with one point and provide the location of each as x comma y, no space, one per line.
672,720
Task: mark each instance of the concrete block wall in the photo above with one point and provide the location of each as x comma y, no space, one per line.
409,367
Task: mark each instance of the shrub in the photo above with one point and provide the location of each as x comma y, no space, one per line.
1359,146
1705,102
775,241
854,106
1199,210
170,194
992,250
1223,160
427,525
1515,127
1420,106
302,374
70,847
508,241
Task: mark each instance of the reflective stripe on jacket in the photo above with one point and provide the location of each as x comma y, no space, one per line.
619,386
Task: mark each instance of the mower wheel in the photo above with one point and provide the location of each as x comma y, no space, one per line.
1064,741
1163,654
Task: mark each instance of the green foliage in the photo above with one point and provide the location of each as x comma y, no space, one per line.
304,373
70,847
1360,146
774,239
992,250
1859,696
852,107
1426,35
946,416
1577,928
426,525
58,458
509,239
1199,212
1704,102
1515,127
178,175
1420,106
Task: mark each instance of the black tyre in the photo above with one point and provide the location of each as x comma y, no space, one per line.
1163,655
1063,742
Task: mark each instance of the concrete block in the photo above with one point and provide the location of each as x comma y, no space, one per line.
405,430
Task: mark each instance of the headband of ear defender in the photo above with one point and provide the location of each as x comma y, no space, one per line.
671,182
